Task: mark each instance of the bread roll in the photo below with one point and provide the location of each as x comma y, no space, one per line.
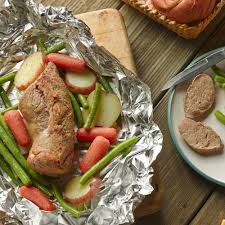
185,11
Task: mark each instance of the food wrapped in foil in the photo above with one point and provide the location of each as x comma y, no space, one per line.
127,179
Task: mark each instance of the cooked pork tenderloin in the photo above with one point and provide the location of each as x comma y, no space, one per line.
200,97
47,110
202,139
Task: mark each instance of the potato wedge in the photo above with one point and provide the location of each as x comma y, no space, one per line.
109,109
81,83
29,71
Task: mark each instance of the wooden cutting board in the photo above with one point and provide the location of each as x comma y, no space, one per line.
109,30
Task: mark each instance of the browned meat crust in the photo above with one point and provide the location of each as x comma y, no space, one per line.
47,109
200,97
202,139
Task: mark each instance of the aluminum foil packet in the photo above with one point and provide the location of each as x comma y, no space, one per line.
127,179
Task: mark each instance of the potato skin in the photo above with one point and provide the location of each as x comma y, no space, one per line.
185,11
79,89
94,188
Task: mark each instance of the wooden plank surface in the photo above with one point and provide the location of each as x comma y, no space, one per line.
159,54
83,6
213,212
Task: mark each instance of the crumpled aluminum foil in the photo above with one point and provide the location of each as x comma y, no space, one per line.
127,179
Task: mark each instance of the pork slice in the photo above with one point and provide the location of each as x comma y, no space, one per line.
200,97
48,113
202,139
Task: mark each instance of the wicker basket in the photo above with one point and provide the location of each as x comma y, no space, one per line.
183,30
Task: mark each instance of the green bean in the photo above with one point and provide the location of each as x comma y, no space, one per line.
7,77
63,203
41,44
80,207
220,116
83,101
14,164
218,71
9,108
19,157
219,79
8,131
10,87
43,188
5,167
5,98
127,151
77,111
105,84
15,174
94,106
5,126
107,158
55,48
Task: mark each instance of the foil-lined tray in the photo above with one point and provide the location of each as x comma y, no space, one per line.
127,179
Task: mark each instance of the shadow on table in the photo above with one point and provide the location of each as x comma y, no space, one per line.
154,219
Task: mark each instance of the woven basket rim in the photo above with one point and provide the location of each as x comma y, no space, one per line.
184,30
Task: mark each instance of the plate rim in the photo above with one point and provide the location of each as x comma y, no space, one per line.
172,133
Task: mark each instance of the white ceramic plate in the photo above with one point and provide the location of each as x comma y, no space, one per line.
210,167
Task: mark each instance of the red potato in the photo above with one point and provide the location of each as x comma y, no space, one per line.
66,62
30,70
88,135
76,193
16,124
81,83
37,197
97,150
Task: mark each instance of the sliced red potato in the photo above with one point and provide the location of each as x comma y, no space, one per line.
81,83
109,109
31,68
76,193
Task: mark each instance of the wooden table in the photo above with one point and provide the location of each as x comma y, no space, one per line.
159,54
